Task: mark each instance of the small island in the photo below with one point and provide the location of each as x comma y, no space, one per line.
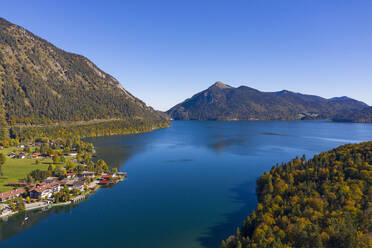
47,173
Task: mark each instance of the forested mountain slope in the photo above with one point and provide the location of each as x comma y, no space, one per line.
323,202
363,115
41,84
223,102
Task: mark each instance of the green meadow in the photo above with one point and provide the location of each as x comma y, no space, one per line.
15,170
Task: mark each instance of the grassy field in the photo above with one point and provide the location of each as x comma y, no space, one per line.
11,149
17,169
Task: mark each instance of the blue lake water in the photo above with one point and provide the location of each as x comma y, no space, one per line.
188,186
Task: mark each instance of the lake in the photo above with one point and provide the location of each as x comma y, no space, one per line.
188,186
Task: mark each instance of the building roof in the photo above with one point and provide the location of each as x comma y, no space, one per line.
50,179
87,173
79,182
18,184
44,186
75,182
12,193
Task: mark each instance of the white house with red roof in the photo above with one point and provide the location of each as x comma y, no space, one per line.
45,190
9,195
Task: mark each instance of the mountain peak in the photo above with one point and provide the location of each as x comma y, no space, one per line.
341,98
284,92
345,99
221,85
223,102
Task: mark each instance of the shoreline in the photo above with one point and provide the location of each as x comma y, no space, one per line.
76,199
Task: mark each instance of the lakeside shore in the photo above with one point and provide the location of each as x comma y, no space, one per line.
45,204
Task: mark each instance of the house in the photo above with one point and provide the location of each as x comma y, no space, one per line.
35,155
112,174
21,155
104,182
122,174
50,180
106,177
18,184
76,184
9,195
70,175
12,155
45,190
86,174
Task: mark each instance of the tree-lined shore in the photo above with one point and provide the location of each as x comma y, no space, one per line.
322,202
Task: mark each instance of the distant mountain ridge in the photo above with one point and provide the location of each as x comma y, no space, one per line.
41,84
223,102
363,115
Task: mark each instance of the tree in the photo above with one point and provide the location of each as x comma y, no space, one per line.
70,165
44,148
20,204
56,159
239,245
223,244
321,202
66,149
37,175
79,168
27,149
102,164
2,162
2,159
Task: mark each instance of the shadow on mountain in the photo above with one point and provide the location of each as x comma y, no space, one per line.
243,194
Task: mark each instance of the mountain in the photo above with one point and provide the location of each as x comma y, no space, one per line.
42,84
223,102
362,115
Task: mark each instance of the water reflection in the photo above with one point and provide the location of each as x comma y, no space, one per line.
222,144
243,194
177,161
20,222
190,185
117,150
114,156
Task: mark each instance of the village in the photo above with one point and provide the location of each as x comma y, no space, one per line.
70,176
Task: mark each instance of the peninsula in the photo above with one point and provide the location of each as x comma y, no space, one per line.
47,173
49,100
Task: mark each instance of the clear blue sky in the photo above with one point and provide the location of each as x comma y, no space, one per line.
165,51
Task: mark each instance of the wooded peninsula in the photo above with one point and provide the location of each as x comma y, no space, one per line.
322,202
